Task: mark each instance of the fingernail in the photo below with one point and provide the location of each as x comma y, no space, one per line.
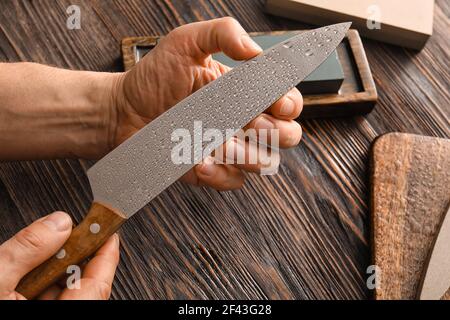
263,123
248,43
58,221
116,239
287,108
207,168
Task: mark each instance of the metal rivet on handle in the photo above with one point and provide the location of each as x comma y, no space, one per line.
61,254
94,228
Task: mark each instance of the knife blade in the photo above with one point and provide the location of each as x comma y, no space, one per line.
436,280
139,169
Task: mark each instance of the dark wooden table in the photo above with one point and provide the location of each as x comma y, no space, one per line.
302,234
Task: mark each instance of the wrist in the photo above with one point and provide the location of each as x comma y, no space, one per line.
103,105
49,113
84,115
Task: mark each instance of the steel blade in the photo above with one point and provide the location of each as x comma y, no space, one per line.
141,168
437,276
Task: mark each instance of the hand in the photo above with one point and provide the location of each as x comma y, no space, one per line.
182,64
60,113
41,240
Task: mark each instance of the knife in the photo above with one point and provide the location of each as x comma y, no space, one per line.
139,169
436,280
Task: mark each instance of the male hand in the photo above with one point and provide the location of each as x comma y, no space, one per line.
60,113
43,239
182,64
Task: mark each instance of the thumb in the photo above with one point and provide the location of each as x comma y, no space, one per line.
208,37
31,247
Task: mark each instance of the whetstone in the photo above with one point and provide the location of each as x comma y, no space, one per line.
410,176
327,78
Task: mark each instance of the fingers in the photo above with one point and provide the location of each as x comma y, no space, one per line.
229,176
98,275
219,176
289,131
288,107
208,37
31,247
248,155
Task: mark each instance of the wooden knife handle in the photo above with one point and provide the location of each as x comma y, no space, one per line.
99,224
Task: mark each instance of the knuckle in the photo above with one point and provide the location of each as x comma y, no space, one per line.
103,290
229,22
29,239
176,31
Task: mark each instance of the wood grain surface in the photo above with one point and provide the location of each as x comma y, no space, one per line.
410,196
302,234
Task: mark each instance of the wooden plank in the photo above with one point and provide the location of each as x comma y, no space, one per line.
303,234
409,25
410,196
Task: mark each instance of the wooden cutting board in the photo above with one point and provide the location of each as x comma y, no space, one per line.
405,23
409,197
